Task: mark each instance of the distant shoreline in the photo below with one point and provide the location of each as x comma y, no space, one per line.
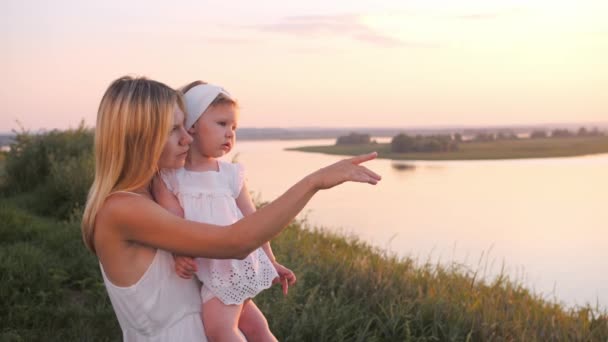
502,149
310,133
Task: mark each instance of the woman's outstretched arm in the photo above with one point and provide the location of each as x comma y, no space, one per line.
138,219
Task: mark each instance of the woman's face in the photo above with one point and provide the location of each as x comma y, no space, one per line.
177,145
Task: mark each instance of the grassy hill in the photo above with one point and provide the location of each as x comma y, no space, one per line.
51,288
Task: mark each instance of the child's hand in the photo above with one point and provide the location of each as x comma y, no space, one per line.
185,266
286,277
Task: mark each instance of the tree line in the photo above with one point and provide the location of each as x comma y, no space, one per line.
403,143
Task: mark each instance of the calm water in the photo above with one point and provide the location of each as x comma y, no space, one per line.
544,221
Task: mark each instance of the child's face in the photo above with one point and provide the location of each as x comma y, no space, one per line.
176,148
214,132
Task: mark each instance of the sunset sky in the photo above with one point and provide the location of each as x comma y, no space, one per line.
314,63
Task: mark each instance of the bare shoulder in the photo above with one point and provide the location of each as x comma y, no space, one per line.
121,209
135,218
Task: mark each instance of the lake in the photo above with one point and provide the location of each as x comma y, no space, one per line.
544,222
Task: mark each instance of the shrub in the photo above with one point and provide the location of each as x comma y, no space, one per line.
404,143
538,135
353,138
58,166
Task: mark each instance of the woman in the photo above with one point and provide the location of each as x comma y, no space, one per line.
140,128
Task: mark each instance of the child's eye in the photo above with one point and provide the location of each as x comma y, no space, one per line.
222,123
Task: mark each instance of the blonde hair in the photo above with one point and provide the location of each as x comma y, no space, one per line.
219,100
133,123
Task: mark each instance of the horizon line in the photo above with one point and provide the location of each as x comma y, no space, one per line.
603,124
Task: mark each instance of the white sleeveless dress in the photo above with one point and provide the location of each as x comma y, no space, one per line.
210,197
160,307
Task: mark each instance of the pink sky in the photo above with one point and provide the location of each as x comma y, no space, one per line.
348,63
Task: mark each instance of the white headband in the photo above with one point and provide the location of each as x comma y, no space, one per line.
198,99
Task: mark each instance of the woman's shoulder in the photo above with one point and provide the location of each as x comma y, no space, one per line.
133,217
121,205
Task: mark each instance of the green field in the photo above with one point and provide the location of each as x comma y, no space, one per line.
501,149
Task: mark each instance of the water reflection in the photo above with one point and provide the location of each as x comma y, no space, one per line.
399,166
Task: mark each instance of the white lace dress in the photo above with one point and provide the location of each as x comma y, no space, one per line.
210,197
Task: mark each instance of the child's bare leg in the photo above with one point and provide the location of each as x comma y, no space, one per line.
221,321
253,324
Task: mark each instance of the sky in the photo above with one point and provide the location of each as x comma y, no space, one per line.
314,63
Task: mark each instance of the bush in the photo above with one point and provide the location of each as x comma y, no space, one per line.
57,166
353,138
561,133
538,135
404,143
484,137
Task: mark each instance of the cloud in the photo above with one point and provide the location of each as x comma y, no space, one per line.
339,25
228,40
492,15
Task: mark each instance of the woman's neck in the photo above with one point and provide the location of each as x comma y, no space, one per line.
144,191
200,162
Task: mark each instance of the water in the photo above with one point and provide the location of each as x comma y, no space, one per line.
542,221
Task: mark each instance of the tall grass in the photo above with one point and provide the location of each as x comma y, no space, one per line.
51,288
349,291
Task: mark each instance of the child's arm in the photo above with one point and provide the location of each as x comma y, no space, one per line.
286,276
184,265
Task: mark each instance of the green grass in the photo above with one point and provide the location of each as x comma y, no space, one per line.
501,149
50,287
51,290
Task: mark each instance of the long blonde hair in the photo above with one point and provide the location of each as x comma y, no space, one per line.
133,123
